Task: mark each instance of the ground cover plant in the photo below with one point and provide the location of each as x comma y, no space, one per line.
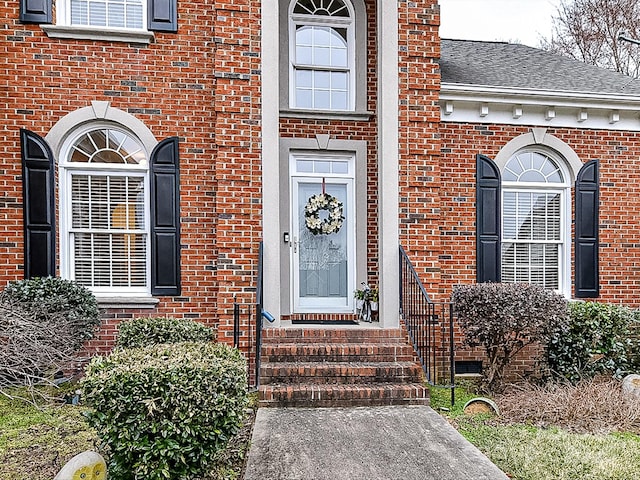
585,431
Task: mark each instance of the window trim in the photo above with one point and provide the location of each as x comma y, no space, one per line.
66,170
358,49
564,188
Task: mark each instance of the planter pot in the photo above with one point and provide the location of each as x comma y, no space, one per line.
374,306
359,304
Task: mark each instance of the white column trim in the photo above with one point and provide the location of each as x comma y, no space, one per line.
388,150
270,93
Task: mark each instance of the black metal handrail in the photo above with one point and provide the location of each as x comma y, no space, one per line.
259,309
430,328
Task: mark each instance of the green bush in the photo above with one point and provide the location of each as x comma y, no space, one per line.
141,332
164,410
597,340
56,296
504,318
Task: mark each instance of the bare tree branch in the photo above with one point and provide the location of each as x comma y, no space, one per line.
589,31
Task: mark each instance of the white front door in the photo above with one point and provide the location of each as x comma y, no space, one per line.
323,264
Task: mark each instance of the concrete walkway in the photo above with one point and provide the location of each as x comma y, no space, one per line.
372,443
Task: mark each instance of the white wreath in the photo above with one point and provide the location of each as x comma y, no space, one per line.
312,220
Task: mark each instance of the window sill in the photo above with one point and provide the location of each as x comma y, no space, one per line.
94,33
127,302
326,114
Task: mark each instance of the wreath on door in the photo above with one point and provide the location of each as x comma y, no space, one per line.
334,219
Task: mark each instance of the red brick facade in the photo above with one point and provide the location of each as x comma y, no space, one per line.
203,84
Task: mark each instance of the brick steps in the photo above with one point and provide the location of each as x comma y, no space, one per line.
343,395
339,367
339,352
340,372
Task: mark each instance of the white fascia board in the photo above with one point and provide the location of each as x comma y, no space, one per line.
535,104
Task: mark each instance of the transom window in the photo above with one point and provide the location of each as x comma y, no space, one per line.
533,220
105,207
107,13
322,58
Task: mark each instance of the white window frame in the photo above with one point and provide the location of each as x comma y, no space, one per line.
63,15
348,23
66,170
564,189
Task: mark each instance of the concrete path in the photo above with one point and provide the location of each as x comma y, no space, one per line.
369,443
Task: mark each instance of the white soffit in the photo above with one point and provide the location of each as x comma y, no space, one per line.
511,106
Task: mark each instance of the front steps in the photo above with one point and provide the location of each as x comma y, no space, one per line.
339,367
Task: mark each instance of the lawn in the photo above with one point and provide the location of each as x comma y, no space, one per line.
566,433
36,443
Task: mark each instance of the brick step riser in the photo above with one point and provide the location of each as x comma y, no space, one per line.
336,396
340,373
333,341
338,353
339,380
287,358
312,403
331,336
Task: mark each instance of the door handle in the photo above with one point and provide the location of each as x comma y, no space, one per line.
295,244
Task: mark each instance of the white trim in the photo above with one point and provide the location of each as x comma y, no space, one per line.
539,139
65,171
101,34
98,111
348,23
270,95
462,103
568,162
326,304
388,163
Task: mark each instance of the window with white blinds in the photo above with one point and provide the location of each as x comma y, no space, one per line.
108,13
533,218
106,212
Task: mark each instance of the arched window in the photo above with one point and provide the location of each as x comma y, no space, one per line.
105,210
322,55
535,220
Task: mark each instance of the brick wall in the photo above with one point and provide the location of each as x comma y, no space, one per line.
419,162
618,153
201,84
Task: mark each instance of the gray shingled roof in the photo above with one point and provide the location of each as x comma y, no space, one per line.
500,64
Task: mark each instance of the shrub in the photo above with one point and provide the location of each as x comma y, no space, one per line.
60,297
597,340
163,411
504,318
141,332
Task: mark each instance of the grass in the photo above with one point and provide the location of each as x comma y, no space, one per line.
528,452
35,443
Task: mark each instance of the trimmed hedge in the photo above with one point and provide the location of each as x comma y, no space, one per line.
141,332
54,296
164,410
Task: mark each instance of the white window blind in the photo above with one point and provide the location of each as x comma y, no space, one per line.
533,220
108,13
108,232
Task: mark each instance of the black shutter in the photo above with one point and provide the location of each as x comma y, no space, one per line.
488,185
38,206
587,283
163,15
165,219
35,11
